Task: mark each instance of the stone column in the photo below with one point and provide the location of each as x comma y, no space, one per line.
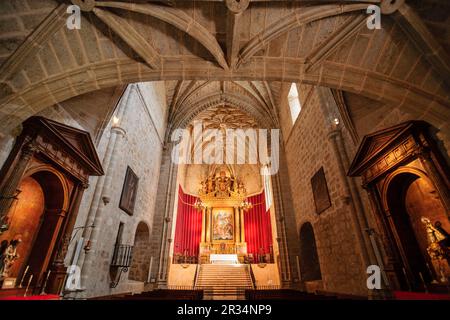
99,221
105,164
9,188
352,196
167,191
96,201
284,261
333,136
379,246
94,220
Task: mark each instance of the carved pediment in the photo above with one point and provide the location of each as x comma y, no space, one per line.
378,144
76,142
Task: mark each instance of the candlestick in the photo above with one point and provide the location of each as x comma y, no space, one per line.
28,286
23,276
423,282
45,283
443,277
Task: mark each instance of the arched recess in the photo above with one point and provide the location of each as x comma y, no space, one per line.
409,196
309,258
36,220
140,262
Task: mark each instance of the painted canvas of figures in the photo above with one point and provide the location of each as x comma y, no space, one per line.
223,225
320,191
129,191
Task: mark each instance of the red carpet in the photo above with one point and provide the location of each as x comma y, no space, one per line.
405,295
39,297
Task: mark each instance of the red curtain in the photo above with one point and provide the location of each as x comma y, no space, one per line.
258,228
188,228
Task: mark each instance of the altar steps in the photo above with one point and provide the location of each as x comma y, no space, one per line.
222,281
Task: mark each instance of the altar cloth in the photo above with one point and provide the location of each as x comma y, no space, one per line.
224,259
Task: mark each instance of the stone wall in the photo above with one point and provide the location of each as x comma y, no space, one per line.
141,149
144,124
308,148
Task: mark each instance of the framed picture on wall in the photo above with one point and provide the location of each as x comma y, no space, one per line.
320,191
129,191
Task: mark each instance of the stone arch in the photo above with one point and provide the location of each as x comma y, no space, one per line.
52,181
428,101
140,262
409,196
36,219
219,99
309,258
412,99
395,176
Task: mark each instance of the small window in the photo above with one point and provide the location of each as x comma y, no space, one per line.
267,187
294,102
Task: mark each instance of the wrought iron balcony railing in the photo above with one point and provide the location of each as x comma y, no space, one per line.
122,256
121,261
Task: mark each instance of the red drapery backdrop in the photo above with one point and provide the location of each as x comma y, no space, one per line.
188,228
258,228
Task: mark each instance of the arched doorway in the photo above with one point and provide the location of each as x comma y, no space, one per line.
35,221
410,197
309,259
140,262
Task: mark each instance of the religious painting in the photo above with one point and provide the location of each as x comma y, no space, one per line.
129,191
223,225
320,191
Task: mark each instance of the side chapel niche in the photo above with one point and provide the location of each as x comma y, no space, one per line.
407,180
41,187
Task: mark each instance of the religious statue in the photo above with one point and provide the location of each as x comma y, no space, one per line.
8,257
223,182
435,237
446,241
210,184
204,187
241,189
438,248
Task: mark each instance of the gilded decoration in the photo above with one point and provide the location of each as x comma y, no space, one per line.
223,201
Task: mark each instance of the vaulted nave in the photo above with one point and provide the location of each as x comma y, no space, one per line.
224,149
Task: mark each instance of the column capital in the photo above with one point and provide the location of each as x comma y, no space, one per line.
118,130
333,134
